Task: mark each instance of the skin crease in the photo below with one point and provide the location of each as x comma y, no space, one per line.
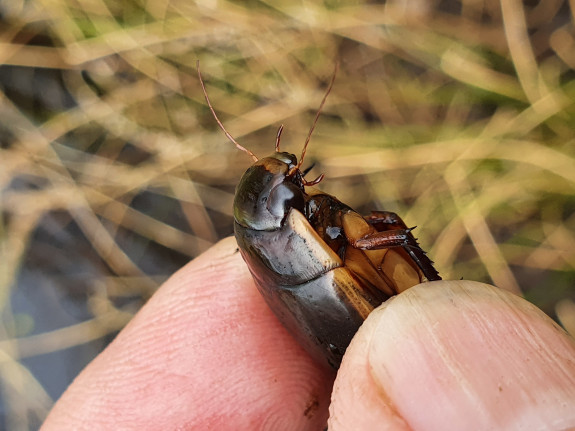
206,353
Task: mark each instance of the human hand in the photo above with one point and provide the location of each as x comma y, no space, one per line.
207,353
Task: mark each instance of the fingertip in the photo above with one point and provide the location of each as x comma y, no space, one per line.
460,355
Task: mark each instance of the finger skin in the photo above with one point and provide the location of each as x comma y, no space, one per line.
456,355
204,353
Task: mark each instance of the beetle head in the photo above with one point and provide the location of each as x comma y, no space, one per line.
267,192
274,185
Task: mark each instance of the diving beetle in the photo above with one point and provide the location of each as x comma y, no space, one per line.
320,266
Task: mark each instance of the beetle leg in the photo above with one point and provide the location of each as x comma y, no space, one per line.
390,223
385,239
385,218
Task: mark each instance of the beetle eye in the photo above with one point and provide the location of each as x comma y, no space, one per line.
283,197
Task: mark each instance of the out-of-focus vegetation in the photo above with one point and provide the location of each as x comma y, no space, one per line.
458,115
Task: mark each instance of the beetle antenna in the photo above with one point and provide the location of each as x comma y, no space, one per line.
317,115
230,137
278,137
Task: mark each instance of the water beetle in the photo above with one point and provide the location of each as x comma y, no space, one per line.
320,266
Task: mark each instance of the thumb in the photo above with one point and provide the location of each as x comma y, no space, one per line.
456,355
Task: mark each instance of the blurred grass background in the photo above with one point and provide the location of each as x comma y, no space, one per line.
458,115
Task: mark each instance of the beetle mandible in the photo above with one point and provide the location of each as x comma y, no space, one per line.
320,266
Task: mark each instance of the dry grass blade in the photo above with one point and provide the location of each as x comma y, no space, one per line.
457,115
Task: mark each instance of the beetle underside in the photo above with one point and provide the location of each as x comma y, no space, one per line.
324,267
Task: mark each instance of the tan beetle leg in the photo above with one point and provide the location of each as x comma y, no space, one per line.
392,230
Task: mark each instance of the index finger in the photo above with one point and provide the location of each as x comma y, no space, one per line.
205,351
